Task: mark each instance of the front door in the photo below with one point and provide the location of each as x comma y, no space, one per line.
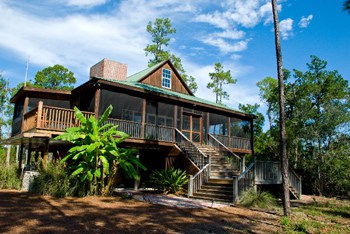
192,127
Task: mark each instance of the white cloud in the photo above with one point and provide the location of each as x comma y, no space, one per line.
286,28
233,34
224,46
85,3
305,21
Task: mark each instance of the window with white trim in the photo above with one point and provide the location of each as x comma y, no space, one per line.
166,78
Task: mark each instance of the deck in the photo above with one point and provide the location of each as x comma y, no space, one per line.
54,120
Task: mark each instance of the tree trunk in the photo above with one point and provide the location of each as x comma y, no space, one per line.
283,148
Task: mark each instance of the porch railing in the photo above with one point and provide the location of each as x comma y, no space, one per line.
268,173
226,152
196,182
190,149
234,141
133,129
159,132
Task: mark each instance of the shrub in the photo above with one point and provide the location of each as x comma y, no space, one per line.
168,181
9,177
261,199
53,180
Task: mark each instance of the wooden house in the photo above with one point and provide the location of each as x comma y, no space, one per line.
168,125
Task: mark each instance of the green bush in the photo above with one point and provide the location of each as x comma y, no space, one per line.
53,180
261,199
9,177
168,181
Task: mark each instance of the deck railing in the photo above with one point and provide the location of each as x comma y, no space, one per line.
133,129
268,173
195,182
226,152
159,132
58,119
295,182
234,141
191,150
30,119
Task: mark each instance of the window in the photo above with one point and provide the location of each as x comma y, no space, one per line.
166,78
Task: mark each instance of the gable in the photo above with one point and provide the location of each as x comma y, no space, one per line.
155,78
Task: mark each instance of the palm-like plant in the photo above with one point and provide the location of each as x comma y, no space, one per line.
96,157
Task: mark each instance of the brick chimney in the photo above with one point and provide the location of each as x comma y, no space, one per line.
109,69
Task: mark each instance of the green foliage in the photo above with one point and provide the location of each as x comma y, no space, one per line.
53,180
56,77
95,158
160,31
261,199
218,79
169,180
9,177
317,118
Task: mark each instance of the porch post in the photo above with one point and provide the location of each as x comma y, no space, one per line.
235,189
190,186
97,102
143,121
25,108
39,114
29,152
229,133
242,163
207,125
252,136
20,157
46,153
175,121
137,181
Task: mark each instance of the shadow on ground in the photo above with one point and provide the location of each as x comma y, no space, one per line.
28,213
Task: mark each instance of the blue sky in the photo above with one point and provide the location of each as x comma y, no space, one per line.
237,33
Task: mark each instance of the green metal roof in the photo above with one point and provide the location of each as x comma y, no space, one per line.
155,89
138,76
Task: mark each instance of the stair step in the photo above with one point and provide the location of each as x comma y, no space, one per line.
218,186
227,192
211,199
214,196
220,181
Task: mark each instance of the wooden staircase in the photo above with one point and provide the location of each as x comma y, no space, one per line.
220,185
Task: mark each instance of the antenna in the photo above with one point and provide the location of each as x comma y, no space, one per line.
25,77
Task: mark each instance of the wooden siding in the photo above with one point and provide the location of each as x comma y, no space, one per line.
155,79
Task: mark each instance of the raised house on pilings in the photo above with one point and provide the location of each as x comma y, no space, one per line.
168,125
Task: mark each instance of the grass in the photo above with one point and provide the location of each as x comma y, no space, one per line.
9,177
328,217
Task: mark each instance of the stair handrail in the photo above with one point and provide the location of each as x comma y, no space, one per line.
196,181
295,182
237,159
203,160
245,180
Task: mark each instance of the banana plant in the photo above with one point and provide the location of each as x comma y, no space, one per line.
95,153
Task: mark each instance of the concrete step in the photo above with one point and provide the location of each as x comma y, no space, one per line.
212,199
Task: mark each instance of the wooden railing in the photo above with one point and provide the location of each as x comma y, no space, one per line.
234,141
268,173
191,150
58,119
295,182
246,180
226,152
30,120
133,129
159,132
195,182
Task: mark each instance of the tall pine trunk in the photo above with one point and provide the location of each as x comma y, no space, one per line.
283,148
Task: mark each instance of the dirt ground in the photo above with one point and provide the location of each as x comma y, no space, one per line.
27,213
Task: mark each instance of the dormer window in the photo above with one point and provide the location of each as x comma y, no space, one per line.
166,78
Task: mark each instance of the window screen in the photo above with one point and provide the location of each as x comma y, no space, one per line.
240,128
218,124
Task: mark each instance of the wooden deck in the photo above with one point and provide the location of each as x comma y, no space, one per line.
54,120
